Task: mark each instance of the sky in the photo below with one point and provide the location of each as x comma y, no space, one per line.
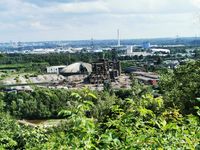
47,20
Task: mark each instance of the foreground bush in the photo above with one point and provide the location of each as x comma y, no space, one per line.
130,125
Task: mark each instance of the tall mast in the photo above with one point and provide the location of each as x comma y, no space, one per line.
118,37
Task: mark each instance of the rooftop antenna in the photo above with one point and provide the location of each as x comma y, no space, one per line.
118,37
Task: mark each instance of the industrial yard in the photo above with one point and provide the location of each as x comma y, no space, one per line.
74,76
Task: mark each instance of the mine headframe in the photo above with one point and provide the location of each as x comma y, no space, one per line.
104,70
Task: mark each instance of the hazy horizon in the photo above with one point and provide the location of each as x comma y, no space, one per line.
63,20
114,39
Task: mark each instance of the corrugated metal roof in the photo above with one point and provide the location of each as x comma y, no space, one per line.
144,78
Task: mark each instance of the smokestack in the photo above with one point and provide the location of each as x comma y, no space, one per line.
118,37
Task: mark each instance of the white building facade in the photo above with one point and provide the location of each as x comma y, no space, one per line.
55,69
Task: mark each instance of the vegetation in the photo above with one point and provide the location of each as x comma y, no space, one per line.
125,119
52,58
42,103
38,62
27,67
181,86
126,64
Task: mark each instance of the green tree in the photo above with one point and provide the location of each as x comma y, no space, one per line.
181,87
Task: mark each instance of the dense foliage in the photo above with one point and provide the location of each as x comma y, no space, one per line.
42,103
127,125
108,122
52,58
14,136
181,87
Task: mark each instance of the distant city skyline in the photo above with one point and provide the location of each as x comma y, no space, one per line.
48,20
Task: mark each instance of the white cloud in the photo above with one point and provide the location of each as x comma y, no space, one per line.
127,6
98,18
196,3
38,25
82,7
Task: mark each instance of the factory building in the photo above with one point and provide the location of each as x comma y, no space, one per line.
105,70
160,50
146,77
55,69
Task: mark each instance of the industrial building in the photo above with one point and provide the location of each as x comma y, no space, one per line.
55,69
95,73
105,70
146,77
160,50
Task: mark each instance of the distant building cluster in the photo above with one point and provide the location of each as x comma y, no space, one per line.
145,50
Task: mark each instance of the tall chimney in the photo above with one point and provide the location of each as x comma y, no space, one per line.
118,37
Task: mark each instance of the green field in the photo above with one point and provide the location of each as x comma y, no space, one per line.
18,66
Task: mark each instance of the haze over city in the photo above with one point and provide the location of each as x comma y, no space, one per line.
37,20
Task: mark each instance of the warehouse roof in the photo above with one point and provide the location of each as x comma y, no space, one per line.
77,68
